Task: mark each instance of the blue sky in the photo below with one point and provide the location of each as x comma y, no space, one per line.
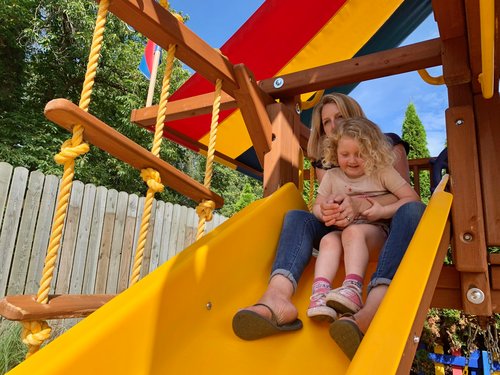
384,100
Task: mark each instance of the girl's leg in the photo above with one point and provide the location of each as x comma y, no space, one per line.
327,264
301,231
358,241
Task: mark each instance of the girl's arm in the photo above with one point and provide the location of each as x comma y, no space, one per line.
404,194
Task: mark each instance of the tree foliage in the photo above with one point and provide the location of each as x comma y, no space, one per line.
45,47
414,133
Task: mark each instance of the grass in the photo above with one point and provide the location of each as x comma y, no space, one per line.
12,349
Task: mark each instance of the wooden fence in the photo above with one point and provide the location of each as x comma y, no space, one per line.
99,237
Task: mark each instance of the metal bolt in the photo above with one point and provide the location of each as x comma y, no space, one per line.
278,83
297,108
475,296
209,305
459,122
416,339
467,237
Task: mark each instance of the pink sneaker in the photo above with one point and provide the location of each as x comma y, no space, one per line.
344,300
318,310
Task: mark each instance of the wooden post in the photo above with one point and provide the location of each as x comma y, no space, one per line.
281,164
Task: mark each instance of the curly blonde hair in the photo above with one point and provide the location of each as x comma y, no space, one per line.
348,107
374,146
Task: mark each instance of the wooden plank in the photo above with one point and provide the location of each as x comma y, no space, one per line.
150,19
22,254
467,213
5,177
117,243
487,115
252,102
174,231
82,240
474,46
470,248
157,235
96,228
59,306
68,242
181,234
282,161
66,114
165,239
376,65
192,227
42,234
183,108
106,241
128,243
149,242
140,209
11,223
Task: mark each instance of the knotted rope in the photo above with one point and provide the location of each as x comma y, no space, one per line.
36,332
206,207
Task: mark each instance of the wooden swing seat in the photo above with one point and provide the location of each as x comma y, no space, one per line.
25,307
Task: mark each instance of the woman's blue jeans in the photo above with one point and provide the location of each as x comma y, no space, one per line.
301,232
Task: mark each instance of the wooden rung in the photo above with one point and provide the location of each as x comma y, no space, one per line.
25,307
66,114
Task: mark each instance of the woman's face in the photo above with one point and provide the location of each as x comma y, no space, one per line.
329,114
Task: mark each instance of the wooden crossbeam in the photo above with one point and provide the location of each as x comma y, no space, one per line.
376,65
25,307
182,108
66,114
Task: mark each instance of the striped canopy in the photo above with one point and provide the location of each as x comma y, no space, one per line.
287,36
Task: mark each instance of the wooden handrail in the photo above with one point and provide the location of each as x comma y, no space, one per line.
66,114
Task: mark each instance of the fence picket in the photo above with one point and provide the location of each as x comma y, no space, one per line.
106,241
96,228
68,241
42,233
20,263
165,239
128,243
5,177
83,237
11,223
117,243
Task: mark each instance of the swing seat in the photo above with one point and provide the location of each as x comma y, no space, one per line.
26,308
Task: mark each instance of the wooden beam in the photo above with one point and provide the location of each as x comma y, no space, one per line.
283,161
66,114
252,102
156,23
182,108
25,307
380,64
469,246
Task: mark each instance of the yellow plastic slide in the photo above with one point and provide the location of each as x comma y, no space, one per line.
178,319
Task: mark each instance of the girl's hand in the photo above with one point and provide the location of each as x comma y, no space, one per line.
375,212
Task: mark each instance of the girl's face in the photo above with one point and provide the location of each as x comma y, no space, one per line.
329,113
349,159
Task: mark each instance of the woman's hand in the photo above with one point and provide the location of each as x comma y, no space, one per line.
375,212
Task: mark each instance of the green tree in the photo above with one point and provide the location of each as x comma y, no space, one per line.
414,133
45,48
